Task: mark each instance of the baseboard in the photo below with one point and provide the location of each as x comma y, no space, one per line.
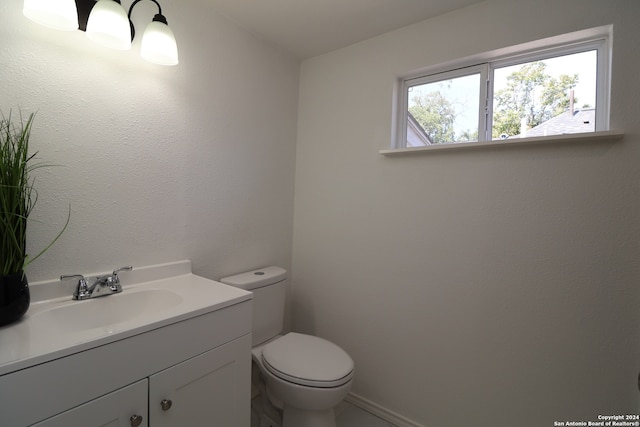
380,412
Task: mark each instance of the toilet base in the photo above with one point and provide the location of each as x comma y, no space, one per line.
294,417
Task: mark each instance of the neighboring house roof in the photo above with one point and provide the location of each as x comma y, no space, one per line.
416,135
580,121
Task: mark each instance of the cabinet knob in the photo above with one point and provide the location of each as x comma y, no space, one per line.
166,404
135,420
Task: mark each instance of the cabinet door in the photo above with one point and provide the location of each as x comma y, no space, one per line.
212,389
115,409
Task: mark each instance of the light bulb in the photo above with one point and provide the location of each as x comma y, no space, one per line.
109,26
159,44
57,14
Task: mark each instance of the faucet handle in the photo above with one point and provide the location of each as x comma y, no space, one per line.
72,276
82,290
125,268
115,280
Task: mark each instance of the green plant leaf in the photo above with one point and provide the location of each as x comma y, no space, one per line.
18,196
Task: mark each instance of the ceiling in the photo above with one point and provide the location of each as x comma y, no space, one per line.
308,28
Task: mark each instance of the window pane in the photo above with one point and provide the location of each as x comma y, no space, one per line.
443,111
546,97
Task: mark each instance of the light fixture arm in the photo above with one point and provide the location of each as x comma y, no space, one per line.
138,1
159,17
84,9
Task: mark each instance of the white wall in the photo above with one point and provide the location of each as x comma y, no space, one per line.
158,163
489,287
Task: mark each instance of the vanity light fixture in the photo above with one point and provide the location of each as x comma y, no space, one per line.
107,23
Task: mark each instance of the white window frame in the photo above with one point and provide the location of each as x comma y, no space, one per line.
599,39
481,69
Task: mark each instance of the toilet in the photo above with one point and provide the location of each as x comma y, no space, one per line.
303,376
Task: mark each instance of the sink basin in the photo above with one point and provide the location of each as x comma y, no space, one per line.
153,297
106,311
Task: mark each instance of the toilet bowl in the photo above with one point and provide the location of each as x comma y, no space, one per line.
305,376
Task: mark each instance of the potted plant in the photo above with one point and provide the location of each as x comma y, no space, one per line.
17,199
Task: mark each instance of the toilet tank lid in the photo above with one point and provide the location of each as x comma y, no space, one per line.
257,278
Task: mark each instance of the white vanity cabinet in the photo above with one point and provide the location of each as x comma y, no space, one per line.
192,370
206,390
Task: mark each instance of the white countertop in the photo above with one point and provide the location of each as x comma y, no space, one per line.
32,341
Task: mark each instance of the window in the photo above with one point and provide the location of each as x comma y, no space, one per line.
551,87
444,107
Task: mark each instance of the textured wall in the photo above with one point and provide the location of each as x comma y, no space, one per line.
491,287
157,163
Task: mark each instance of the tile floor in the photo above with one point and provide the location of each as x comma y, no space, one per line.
348,415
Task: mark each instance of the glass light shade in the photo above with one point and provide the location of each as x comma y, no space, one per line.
159,44
57,14
108,25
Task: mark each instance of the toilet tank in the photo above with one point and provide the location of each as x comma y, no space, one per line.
269,287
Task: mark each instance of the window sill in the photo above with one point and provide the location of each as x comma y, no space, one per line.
609,135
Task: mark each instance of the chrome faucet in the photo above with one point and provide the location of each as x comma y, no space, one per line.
100,285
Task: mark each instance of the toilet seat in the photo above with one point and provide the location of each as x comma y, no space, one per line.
307,360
